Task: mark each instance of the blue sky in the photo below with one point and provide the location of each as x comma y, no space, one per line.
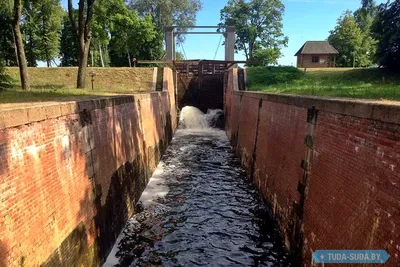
304,20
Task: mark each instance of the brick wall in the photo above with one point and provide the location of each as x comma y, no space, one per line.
71,173
329,169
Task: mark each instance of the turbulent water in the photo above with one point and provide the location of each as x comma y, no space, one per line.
199,209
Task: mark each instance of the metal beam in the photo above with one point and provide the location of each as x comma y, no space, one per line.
200,61
198,32
199,27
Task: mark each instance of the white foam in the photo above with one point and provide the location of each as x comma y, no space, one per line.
156,188
192,118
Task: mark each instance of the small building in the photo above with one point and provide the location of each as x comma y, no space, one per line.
316,54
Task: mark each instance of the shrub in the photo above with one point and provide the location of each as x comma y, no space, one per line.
5,80
272,75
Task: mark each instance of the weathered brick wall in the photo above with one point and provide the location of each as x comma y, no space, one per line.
71,173
329,169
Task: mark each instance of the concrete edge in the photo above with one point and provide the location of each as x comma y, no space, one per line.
165,86
353,107
154,81
13,117
245,79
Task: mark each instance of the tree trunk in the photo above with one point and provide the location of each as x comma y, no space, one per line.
83,55
23,69
101,56
15,47
83,35
129,59
251,46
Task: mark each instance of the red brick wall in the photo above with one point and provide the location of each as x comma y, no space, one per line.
70,174
329,169
279,151
247,129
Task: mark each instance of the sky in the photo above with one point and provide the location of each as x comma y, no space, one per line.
303,20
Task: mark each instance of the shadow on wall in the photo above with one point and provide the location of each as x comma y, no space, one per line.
3,255
4,173
117,146
106,140
188,92
204,92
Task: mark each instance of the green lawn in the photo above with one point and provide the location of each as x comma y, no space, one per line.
335,82
52,84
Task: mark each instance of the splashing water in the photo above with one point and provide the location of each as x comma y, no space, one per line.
193,118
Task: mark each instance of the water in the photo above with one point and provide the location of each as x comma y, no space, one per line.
199,209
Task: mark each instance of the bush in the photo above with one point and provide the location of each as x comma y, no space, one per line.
5,80
272,75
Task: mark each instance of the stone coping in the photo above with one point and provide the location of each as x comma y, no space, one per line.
39,111
386,111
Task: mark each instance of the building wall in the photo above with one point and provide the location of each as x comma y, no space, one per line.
71,173
305,61
329,169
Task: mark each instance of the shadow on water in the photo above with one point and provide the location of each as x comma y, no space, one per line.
212,214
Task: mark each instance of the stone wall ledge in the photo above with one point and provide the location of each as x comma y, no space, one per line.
39,111
364,108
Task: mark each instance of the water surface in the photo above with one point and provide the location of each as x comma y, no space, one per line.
199,209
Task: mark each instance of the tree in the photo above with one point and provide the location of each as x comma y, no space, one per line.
258,26
181,13
179,56
42,26
5,80
12,11
139,40
16,24
128,34
364,17
103,11
267,56
68,44
347,39
7,46
82,31
30,37
386,30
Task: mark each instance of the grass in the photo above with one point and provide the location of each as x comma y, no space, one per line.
52,84
334,82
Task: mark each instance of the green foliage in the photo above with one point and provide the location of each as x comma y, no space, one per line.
68,45
352,36
42,26
179,56
355,83
347,39
181,13
132,36
7,50
386,30
267,56
261,76
258,27
5,80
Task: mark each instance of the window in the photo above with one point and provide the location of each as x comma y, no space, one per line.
315,59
